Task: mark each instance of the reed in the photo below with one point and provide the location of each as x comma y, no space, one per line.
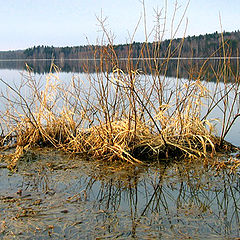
131,113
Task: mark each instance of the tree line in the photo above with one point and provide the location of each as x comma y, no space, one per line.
191,46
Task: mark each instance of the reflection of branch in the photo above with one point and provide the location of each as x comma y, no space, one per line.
190,190
154,193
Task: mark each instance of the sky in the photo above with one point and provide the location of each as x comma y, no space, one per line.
28,23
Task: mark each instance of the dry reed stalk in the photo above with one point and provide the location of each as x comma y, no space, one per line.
122,114
126,134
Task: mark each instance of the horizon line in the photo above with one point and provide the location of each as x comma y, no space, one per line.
120,59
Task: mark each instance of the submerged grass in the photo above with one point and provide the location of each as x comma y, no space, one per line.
132,113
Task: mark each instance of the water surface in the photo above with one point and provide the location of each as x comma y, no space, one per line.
61,197
57,196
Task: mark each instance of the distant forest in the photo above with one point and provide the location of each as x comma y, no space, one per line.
194,46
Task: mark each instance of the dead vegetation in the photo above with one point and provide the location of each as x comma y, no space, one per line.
128,114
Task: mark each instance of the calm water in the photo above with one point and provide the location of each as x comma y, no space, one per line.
57,197
54,196
13,71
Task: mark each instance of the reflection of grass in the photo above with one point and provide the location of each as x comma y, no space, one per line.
173,201
179,200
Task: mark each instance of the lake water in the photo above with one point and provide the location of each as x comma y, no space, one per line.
14,71
57,196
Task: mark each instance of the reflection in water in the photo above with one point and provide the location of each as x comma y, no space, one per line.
69,198
55,197
183,68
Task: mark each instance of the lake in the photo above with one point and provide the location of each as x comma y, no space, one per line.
59,196
13,71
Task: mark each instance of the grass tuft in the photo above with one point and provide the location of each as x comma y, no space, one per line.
132,113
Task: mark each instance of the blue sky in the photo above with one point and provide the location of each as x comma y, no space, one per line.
25,23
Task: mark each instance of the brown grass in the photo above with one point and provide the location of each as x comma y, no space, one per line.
120,114
130,133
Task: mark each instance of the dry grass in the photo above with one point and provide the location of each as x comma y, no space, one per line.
127,131
113,119
121,114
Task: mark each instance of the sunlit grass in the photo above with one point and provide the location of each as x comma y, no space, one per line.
112,119
132,113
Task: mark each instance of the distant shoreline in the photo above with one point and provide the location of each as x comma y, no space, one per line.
120,59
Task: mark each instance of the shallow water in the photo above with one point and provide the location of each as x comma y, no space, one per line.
54,196
57,196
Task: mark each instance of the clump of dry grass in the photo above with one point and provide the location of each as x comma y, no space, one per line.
119,116
126,114
130,134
